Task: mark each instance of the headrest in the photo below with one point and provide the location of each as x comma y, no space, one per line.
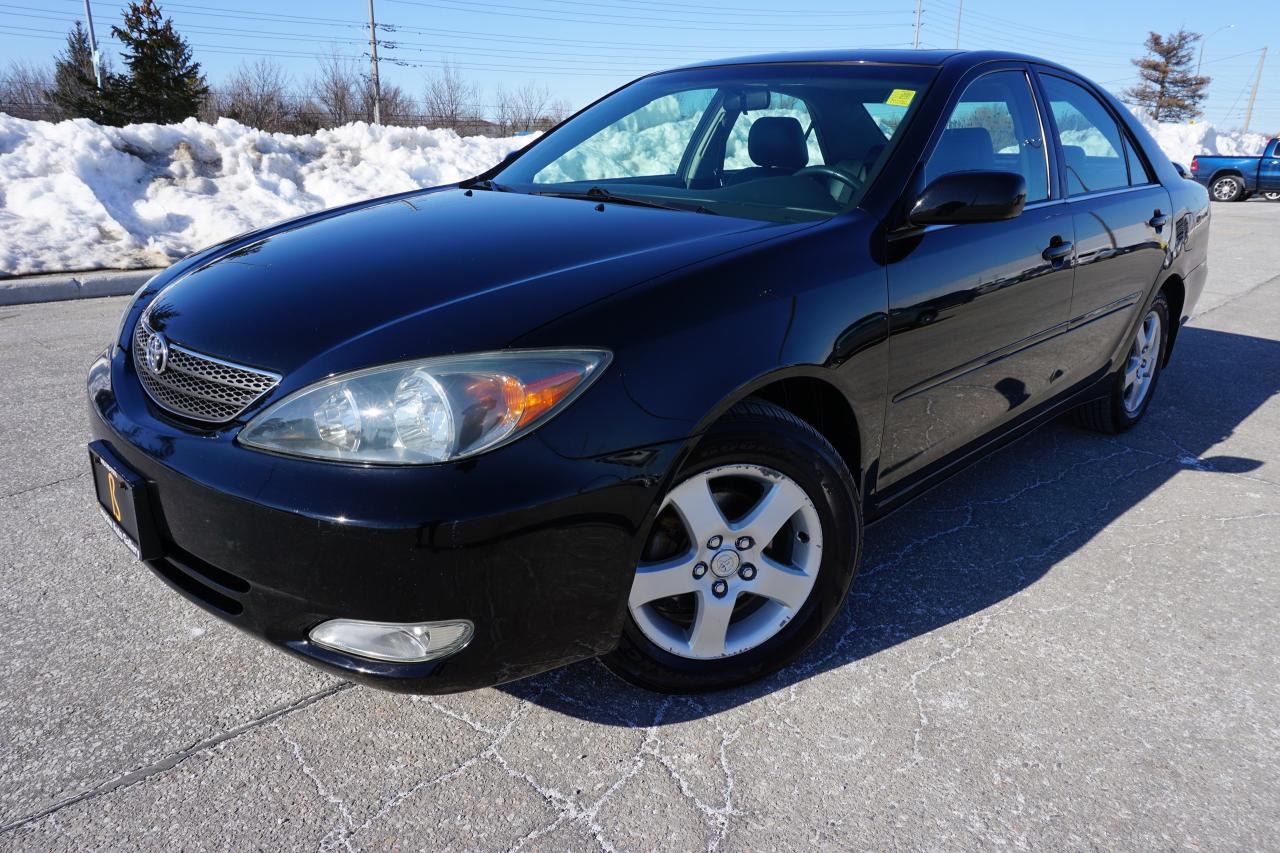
962,149
777,141
1075,155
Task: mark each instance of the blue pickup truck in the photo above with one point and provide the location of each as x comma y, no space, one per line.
1237,178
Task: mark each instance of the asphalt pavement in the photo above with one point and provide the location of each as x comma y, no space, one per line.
1072,645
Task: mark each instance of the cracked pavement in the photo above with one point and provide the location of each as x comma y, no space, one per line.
1071,645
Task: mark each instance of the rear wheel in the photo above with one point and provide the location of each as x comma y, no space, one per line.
1271,196
1227,188
749,558
1134,384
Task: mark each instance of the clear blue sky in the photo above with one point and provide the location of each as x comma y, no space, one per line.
582,48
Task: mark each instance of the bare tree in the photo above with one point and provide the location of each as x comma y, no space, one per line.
24,91
452,101
257,95
397,107
336,93
529,107
557,111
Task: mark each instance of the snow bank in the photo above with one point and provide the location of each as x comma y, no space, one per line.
78,196
1181,142
75,195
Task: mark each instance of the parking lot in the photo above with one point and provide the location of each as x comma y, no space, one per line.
1072,645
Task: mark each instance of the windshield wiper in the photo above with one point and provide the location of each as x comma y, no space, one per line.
602,195
486,184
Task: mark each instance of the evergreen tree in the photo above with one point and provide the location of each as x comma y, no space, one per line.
75,90
1170,90
163,84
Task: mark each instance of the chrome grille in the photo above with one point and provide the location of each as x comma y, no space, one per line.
199,386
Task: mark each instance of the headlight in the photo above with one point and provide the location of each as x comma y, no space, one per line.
421,412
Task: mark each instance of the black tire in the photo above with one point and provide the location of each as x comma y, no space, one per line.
756,432
1109,414
1227,188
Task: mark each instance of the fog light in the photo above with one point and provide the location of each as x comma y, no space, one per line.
398,642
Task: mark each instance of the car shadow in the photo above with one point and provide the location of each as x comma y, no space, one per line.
989,532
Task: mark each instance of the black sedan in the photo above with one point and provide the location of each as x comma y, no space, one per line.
634,392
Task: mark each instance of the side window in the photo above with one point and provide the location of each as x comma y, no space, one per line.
649,142
1138,172
994,127
1091,142
736,154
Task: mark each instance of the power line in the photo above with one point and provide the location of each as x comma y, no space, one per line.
703,9
594,58
626,20
1005,24
218,12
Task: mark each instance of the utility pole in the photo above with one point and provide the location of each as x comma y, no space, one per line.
373,47
916,45
1253,96
93,45
959,12
1204,39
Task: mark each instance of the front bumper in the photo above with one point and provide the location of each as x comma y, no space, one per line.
535,548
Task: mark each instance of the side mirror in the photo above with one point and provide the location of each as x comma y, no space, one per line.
1181,170
961,197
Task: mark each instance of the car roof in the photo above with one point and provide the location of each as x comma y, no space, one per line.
889,57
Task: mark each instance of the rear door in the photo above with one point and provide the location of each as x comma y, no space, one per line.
1122,217
977,310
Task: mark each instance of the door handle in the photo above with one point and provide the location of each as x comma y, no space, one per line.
1158,221
1058,250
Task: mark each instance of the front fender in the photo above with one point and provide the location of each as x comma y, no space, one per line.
691,344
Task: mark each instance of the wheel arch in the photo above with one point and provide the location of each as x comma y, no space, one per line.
814,395
1175,291
1229,172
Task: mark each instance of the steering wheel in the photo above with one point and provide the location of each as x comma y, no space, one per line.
830,172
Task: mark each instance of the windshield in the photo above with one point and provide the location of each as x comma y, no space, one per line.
778,142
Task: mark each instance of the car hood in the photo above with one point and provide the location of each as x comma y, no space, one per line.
426,274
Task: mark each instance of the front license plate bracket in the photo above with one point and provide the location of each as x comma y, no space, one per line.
125,502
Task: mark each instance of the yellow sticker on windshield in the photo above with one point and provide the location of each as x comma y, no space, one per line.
900,97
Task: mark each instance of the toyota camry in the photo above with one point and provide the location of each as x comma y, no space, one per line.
634,392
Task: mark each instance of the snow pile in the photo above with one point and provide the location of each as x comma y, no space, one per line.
1182,142
648,141
78,196
75,195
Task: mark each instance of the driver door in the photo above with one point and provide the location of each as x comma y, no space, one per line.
977,310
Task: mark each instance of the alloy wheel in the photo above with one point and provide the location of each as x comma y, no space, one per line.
734,556
1141,366
1225,189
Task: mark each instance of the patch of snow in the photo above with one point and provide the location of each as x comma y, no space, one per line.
75,195
648,141
1182,142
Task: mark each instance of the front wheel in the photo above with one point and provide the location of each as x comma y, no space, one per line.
748,560
1227,188
1271,196
1134,384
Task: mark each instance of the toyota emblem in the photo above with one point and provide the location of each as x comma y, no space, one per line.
157,354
